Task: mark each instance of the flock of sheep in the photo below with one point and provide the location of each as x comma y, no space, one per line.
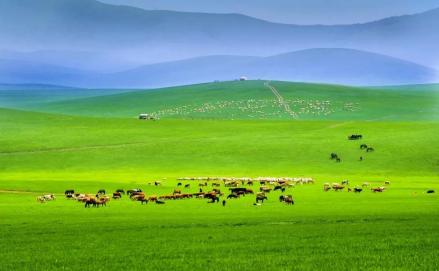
258,109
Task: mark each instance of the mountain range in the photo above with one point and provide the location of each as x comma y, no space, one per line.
337,66
91,40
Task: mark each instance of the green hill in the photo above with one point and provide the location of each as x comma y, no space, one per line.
255,100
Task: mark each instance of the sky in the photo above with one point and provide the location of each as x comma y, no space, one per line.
294,11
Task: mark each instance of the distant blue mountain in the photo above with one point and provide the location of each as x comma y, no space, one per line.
339,66
131,34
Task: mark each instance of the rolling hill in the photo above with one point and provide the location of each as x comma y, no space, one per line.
156,36
255,100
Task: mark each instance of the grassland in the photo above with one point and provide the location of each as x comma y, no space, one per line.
253,100
50,152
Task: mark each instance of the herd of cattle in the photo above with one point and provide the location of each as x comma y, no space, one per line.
208,188
334,156
357,189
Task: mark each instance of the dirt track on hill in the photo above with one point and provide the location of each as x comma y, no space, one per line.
281,100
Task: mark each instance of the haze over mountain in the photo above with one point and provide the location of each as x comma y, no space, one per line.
340,66
137,36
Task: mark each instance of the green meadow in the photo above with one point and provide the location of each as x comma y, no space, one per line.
232,129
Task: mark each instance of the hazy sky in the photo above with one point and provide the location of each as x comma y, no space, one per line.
294,11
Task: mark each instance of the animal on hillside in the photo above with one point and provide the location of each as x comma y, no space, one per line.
337,187
136,190
378,189
363,146
152,198
358,190
261,198
179,184
187,186
101,192
177,191
117,195
157,183
430,191
338,160
326,187
45,198
69,193
224,202
355,137
265,189
233,196
370,149
387,183
345,182
120,191
333,156
287,199
366,184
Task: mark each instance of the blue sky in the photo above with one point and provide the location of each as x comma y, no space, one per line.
295,11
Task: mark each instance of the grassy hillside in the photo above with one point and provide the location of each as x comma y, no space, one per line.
24,96
48,153
254,100
65,147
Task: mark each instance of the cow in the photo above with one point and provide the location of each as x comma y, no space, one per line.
378,189
120,191
224,203
233,196
90,201
152,198
337,186
363,146
345,182
265,189
355,137
386,183
370,149
117,195
101,192
136,190
69,193
333,156
261,198
177,191
430,191
187,186
358,190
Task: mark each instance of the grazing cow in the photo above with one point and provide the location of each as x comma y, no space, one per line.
233,196
69,193
326,187
152,198
159,202
370,149
355,137
261,198
157,183
237,189
345,182
179,184
338,160
333,156
120,191
117,195
136,190
430,191
177,191
337,186
265,189
386,183
90,202
101,192
363,146
214,199
378,189
358,190
102,201
250,183
289,200
187,186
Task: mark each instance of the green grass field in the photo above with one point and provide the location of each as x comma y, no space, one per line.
93,143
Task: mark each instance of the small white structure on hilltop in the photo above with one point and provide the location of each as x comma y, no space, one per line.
243,78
